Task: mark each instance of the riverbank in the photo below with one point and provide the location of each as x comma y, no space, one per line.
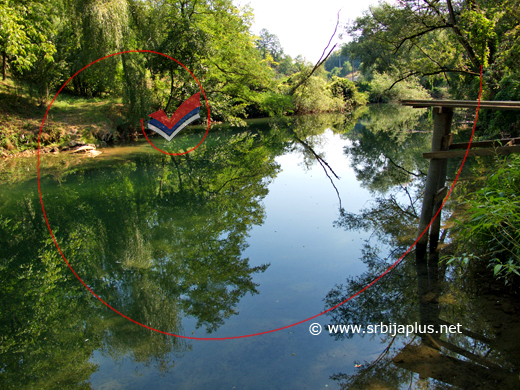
75,120
72,122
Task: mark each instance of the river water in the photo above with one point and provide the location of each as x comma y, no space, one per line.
258,229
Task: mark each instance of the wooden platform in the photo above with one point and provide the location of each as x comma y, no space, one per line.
479,148
496,105
435,190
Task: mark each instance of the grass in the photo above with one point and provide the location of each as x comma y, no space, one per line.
70,118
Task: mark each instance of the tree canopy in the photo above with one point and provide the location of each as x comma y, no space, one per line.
451,38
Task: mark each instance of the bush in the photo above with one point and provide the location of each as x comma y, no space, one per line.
406,89
275,104
315,96
347,91
490,227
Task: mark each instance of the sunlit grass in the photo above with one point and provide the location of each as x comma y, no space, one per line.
69,118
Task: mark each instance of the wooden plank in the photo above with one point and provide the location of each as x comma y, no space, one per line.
440,195
486,144
446,141
447,102
504,150
499,105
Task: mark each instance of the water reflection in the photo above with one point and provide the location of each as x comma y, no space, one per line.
481,351
165,241
159,238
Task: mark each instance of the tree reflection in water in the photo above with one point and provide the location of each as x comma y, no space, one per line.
485,354
157,237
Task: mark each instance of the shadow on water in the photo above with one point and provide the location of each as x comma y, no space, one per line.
463,325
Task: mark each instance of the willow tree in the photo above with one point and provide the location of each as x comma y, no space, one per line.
96,28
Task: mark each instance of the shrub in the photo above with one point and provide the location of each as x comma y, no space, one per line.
347,91
275,104
490,227
315,96
406,89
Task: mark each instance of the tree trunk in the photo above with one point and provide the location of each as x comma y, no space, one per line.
3,66
171,92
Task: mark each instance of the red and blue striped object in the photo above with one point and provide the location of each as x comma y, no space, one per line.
187,113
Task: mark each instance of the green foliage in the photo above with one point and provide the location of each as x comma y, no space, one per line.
480,32
348,92
384,153
447,40
337,60
27,44
315,96
268,43
490,226
286,66
275,104
100,28
137,97
158,237
241,74
24,32
343,71
504,122
380,91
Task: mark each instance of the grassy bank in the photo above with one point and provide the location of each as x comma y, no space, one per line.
70,119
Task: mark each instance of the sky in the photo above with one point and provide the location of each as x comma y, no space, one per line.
304,27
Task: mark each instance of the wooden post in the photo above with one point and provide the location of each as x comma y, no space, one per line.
435,178
427,271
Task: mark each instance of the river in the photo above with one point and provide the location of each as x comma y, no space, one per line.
258,229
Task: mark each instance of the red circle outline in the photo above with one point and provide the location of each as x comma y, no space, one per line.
268,331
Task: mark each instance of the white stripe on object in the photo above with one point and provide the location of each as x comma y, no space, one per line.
170,137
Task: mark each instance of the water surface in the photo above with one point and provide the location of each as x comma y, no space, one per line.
259,228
